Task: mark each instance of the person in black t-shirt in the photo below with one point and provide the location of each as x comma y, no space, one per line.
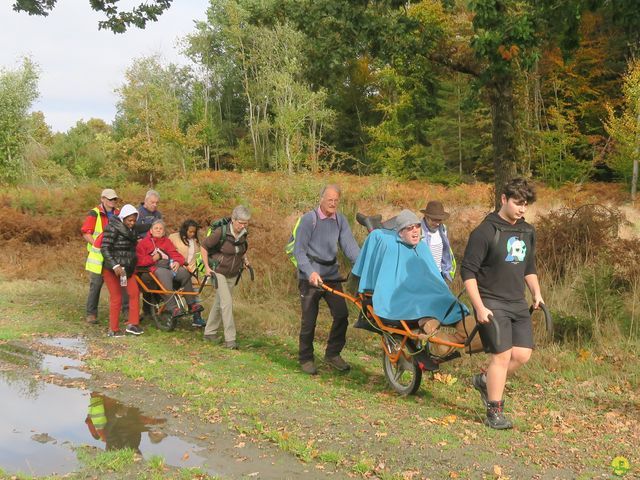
498,262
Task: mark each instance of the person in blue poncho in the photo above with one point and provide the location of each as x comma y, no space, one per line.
400,271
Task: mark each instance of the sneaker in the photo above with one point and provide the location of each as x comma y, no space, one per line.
116,333
309,367
177,312
134,330
480,384
198,322
232,345
338,363
196,308
91,319
495,416
215,339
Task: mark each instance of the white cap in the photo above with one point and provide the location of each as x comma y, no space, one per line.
127,210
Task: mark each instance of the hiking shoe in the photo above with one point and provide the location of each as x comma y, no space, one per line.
309,367
215,339
232,345
115,333
196,308
134,330
338,363
495,416
480,384
91,319
177,312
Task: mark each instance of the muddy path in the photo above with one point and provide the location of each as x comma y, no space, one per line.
50,397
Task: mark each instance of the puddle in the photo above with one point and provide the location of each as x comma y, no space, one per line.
77,345
65,366
22,356
39,428
43,423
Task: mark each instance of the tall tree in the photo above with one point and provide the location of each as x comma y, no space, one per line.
18,91
150,120
624,128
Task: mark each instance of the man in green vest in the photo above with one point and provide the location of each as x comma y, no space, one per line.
93,226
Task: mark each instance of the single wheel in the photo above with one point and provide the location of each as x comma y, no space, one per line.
405,375
163,319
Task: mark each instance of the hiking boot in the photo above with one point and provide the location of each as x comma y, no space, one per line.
196,308
134,330
309,367
92,318
115,333
232,345
480,384
495,416
215,339
338,363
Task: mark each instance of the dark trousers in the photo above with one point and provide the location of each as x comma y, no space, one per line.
310,300
93,299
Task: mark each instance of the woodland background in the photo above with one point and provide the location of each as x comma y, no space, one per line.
446,91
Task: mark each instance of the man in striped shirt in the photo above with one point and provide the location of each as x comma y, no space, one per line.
435,236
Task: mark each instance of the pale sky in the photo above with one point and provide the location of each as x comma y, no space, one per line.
81,66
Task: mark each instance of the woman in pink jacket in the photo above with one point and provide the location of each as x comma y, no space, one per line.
158,253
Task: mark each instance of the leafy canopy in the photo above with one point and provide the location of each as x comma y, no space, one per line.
117,20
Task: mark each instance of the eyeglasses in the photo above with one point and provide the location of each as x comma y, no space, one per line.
240,222
412,227
112,199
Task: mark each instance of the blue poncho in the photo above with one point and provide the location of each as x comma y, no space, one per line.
405,281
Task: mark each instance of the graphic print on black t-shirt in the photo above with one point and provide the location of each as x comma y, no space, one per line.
516,250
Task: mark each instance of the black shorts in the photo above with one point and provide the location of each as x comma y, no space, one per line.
516,329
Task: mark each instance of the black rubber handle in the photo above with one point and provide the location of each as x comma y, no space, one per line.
548,319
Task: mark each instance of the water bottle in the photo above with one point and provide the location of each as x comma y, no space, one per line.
171,262
123,280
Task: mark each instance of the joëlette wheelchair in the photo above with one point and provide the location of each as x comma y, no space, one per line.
153,294
407,350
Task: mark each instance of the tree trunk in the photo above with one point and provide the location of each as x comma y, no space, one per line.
634,174
503,132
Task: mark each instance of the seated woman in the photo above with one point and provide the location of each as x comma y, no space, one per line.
158,253
187,244
406,284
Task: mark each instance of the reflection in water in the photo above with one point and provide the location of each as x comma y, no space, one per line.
117,425
42,422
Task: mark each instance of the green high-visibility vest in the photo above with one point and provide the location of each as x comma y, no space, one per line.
97,413
94,258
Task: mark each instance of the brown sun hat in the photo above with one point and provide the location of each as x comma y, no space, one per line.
435,210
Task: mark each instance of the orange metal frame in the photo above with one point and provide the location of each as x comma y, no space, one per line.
162,290
405,331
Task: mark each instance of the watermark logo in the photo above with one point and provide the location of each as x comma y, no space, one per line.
620,466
